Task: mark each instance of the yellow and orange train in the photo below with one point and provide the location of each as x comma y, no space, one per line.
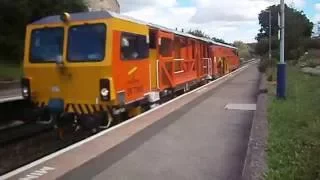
89,68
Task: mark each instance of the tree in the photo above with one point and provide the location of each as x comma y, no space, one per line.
200,33
298,27
15,15
243,49
220,40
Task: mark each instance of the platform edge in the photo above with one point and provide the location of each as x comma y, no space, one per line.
255,165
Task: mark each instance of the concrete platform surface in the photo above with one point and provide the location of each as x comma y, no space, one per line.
202,140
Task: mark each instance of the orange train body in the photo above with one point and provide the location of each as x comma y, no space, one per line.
127,64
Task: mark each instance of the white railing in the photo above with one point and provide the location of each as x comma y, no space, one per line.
181,71
209,65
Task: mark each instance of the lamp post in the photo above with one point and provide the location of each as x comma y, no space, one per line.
270,31
281,73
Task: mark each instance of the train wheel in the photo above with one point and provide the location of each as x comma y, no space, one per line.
45,118
107,120
60,133
63,124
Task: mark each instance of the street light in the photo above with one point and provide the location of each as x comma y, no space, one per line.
281,73
270,31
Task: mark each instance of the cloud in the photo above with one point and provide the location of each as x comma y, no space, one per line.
317,6
234,10
227,10
131,5
317,16
228,19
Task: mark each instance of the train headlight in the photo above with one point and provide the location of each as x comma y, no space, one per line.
104,92
25,91
65,17
25,85
105,89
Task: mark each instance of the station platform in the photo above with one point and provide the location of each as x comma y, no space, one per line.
200,135
12,94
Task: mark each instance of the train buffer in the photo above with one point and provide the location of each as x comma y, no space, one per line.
199,135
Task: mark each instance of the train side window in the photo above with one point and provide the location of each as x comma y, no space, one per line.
177,48
153,39
134,46
166,47
205,51
193,45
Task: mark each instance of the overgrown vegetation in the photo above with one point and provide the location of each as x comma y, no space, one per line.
294,129
310,59
15,15
246,52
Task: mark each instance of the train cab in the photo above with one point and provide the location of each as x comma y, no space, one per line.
86,64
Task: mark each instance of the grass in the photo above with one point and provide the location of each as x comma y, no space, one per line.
294,129
10,71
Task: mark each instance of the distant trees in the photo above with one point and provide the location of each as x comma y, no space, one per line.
298,30
244,50
15,15
200,33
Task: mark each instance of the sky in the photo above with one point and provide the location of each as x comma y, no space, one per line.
227,19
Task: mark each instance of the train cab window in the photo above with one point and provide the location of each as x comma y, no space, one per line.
46,45
134,46
87,42
166,47
177,48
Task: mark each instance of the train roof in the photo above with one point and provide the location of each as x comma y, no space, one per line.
191,36
83,16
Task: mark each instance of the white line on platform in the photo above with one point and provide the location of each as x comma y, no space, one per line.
78,144
245,107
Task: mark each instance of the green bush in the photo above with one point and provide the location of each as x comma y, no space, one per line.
311,43
310,59
270,77
266,63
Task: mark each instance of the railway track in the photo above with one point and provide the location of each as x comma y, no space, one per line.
25,143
